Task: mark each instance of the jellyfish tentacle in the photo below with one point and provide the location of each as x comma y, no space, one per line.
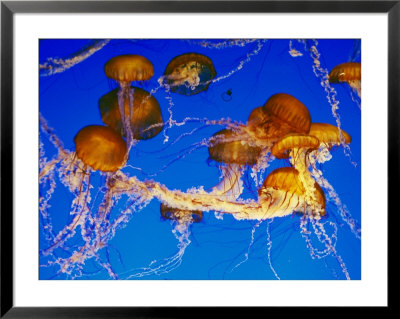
58,65
79,211
246,255
320,230
269,249
231,185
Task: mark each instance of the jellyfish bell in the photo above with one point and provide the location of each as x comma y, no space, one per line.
292,143
189,74
180,215
129,68
284,193
289,112
350,73
329,135
257,123
281,114
345,72
230,147
101,148
145,117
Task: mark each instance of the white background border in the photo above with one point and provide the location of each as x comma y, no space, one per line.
370,291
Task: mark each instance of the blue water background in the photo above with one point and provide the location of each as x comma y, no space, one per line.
69,101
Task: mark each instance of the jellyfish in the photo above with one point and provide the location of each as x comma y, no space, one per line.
281,114
286,193
228,147
145,119
98,148
189,74
234,151
305,151
180,215
329,137
105,194
126,69
283,194
101,148
350,73
297,147
181,221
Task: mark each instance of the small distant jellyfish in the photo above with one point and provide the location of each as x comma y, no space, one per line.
145,119
350,73
189,74
180,215
101,148
126,69
282,114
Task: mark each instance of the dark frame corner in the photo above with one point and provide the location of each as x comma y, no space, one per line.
9,8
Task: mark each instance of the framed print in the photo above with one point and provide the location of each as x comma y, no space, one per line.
163,155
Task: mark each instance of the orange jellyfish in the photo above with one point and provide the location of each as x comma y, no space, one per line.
235,150
282,114
145,119
329,135
101,148
230,148
350,73
293,145
297,147
180,215
189,74
285,193
126,69
129,68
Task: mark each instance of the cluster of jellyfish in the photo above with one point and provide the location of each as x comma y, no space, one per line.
280,130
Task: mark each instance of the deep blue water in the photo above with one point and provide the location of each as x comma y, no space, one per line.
219,249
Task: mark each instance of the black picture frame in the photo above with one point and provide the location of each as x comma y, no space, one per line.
9,8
